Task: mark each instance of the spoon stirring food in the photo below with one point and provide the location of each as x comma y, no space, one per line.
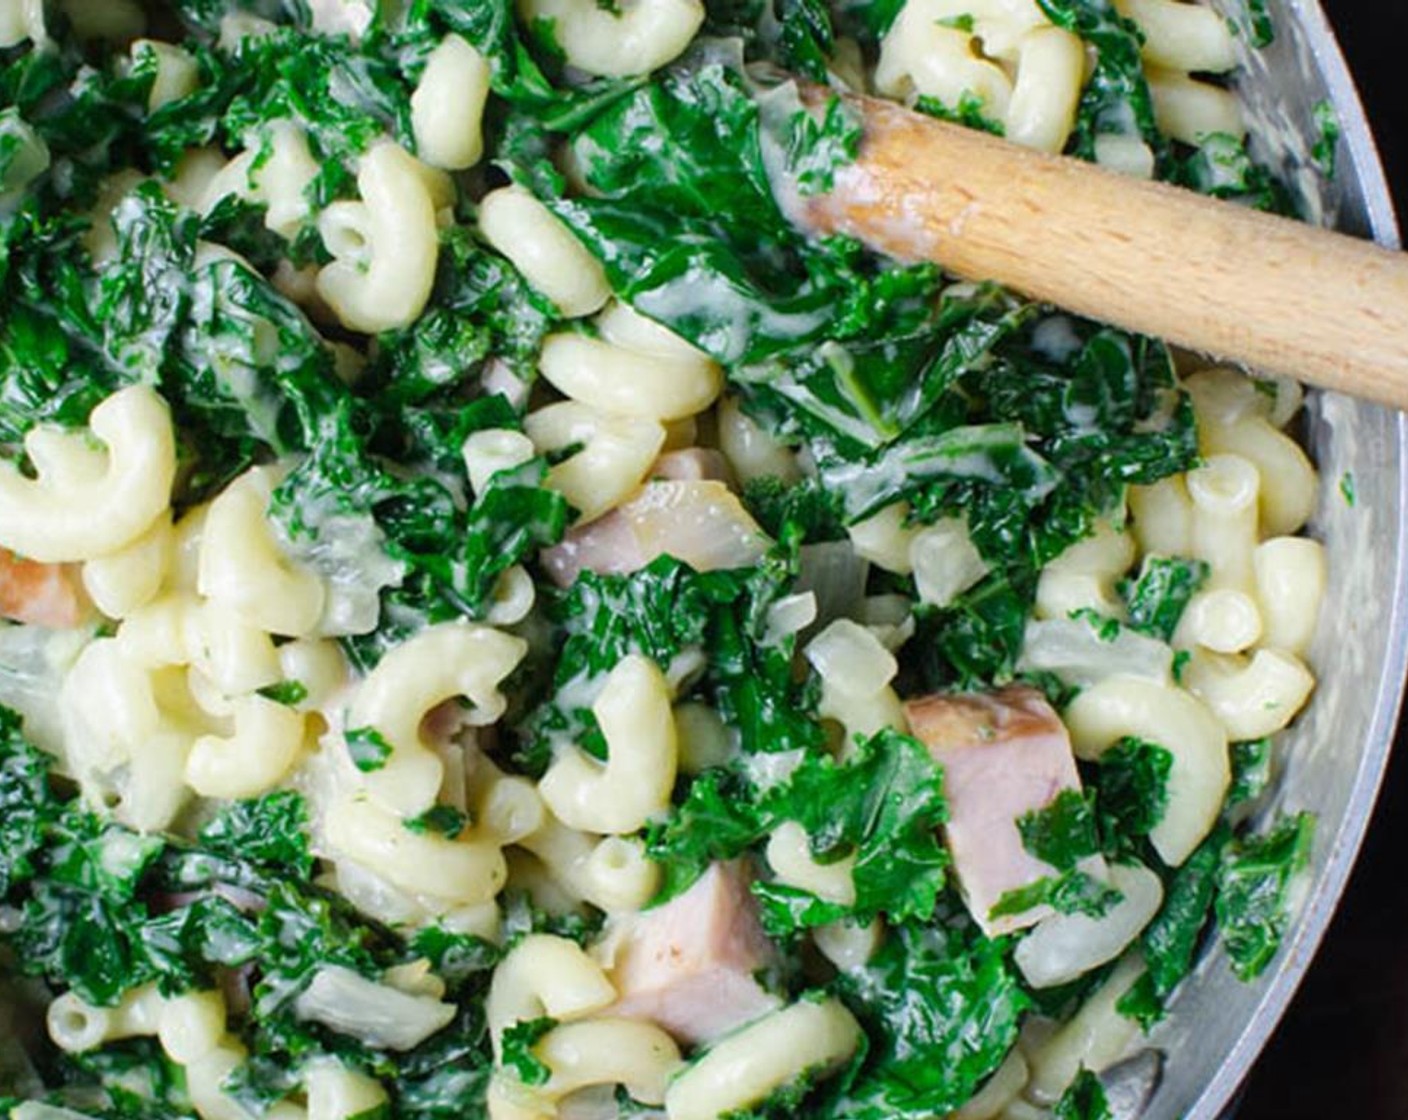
1204,274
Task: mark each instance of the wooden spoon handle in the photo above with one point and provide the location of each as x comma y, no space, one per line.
1207,275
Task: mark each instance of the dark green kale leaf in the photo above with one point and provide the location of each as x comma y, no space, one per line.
941,1007
1170,941
969,112
719,819
1253,891
1131,794
1061,834
819,146
269,831
1158,596
27,802
1222,166
1251,771
658,612
883,806
1084,1099
1116,95
518,1042
810,507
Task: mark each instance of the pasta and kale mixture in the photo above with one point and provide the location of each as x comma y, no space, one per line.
501,624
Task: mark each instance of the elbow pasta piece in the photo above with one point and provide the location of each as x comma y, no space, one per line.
1288,486
1050,73
191,1025
277,171
622,325
1094,1038
21,20
188,1026
1161,517
1001,1090
543,975
126,580
616,454
924,55
750,451
491,450
177,75
84,502
789,854
1191,111
945,561
633,37
1083,577
749,1065
384,247
441,662
235,656
702,737
318,665
447,107
1180,723
619,876
254,759
541,247
506,806
338,1092
1223,532
1224,621
639,1056
635,783
1182,36
1124,154
76,1026
1252,697
242,565
512,598
467,870
566,855
205,1081
1290,574
627,382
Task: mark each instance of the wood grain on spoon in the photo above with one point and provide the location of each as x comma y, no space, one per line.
1211,276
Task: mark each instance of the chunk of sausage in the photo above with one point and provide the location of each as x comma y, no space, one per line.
40,594
1004,754
689,965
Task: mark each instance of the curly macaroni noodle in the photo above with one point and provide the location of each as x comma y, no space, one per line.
440,663
634,784
83,502
384,247
635,37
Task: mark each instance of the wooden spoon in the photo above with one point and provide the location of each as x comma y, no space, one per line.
1204,274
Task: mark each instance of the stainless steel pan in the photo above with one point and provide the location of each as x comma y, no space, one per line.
1334,758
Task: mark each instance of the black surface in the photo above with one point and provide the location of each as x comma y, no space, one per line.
1342,1051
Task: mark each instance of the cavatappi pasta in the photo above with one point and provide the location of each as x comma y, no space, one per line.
499,624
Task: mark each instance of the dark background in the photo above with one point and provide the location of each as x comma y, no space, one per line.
1342,1050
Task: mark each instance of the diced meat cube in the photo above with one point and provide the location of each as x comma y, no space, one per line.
690,965
40,594
1004,754
694,464
700,522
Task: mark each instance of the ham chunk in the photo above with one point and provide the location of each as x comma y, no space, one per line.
40,594
689,965
701,522
1004,755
